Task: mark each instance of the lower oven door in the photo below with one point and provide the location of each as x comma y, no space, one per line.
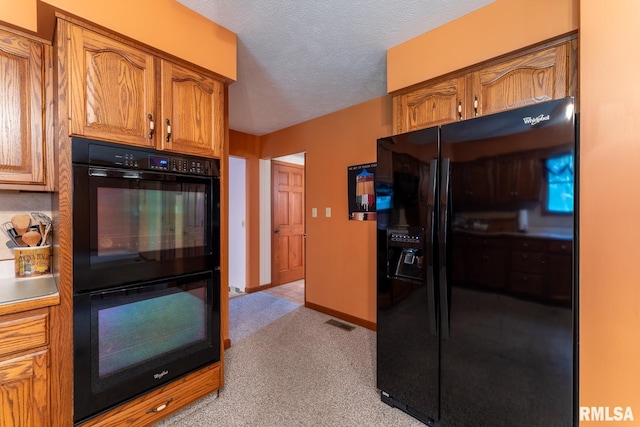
132,339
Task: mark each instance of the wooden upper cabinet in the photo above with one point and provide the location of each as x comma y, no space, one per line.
24,153
518,180
430,106
123,92
112,89
541,73
192,111
531,78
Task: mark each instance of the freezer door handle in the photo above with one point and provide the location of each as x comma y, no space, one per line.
431,227
445,287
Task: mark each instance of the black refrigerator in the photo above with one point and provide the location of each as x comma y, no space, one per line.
476,287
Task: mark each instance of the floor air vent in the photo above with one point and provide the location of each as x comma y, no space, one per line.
340,325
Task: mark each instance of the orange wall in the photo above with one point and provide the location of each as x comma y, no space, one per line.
164,24
496,29
340,254
609,206
248,146
21,13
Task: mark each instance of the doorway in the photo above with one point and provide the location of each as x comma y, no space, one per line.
238,257
288,225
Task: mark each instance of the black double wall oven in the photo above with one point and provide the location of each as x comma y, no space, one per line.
146,279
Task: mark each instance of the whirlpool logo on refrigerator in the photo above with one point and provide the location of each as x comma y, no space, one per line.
606,413
535,120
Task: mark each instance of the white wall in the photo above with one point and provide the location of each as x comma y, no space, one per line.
237,223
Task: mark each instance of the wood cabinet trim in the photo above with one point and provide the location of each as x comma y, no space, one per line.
29,304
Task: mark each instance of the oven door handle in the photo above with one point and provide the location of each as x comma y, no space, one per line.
129,174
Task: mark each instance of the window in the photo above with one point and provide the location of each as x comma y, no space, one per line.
560,180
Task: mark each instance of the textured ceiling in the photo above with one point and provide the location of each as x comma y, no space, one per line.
302,59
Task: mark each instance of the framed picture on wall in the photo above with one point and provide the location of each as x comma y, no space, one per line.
362,194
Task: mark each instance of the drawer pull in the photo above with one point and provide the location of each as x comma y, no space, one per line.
161,407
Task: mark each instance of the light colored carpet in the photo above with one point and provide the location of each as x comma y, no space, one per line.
249,313
294,370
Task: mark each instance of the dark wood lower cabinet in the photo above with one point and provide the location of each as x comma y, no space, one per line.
487,261
536,268
560,271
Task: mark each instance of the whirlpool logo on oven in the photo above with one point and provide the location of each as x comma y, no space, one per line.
160,375
606,413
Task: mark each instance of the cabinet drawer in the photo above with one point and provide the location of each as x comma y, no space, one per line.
19,332
528,262
563,246
493,242
528,284
159,403
534,245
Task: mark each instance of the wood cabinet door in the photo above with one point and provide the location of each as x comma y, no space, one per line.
478,182
22,138
24,391
560,273
486,261
518,180
535,77
192,112
112,89
429,106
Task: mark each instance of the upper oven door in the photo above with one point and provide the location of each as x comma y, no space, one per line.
136,225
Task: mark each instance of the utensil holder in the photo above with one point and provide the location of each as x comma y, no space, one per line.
32,261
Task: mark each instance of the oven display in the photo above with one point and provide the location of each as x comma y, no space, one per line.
157,162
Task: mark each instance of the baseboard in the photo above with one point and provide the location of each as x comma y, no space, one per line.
342,316
227,343
258,288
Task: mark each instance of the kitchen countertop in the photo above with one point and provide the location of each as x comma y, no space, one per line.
529,234
27,293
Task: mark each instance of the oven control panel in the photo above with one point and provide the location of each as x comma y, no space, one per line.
122,156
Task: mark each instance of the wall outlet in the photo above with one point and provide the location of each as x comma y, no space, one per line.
327,212
314,212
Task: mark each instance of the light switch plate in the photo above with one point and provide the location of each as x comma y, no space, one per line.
327,212
314,212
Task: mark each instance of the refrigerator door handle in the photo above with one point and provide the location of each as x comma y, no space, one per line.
431,228
445,288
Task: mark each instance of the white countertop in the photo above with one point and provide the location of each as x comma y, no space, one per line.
14,290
